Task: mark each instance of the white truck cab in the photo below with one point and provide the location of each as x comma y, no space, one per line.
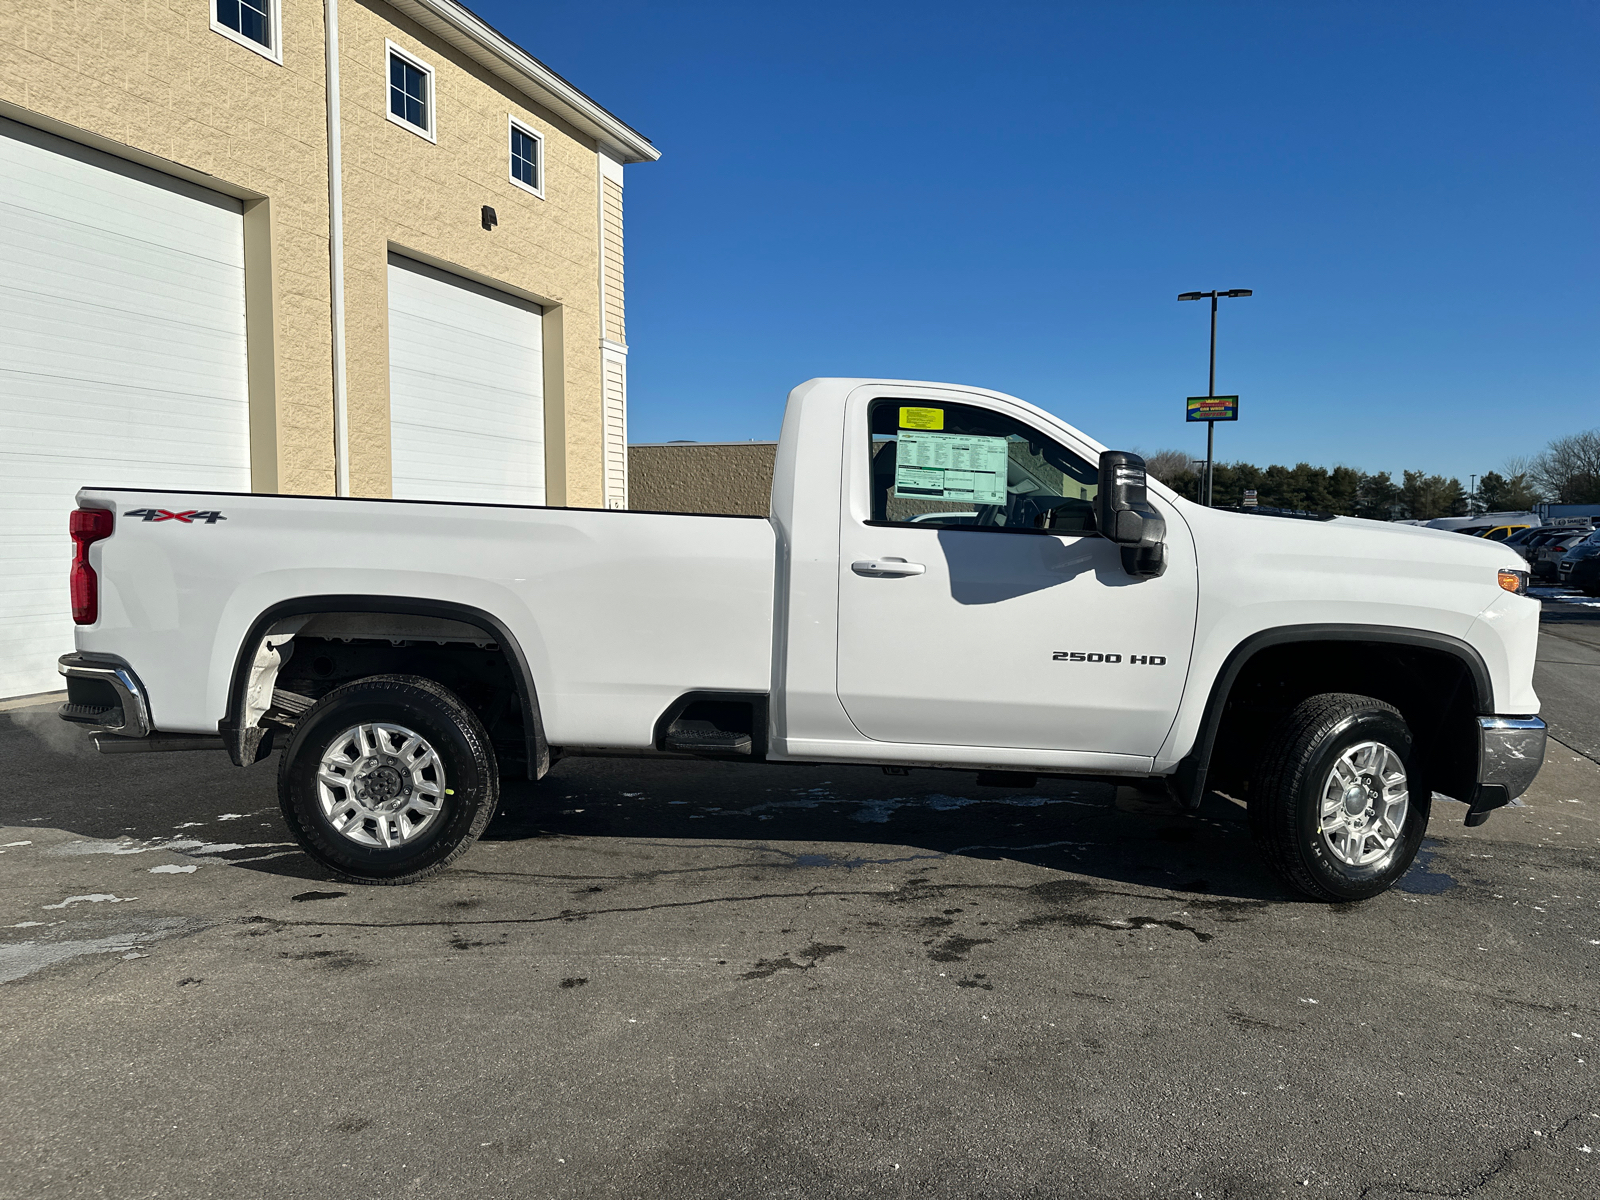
950,578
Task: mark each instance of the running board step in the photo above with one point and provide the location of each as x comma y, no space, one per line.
702,737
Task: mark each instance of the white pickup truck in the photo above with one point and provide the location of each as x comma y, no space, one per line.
950,578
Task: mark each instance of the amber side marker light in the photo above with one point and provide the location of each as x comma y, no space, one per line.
1515,581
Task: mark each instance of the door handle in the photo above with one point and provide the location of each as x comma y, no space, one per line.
887,566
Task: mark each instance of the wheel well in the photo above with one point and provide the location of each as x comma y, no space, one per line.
1435,689
460,648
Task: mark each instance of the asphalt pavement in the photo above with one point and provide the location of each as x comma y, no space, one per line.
1567,677
680,979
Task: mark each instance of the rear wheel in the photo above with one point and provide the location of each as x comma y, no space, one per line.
388,779
1334,810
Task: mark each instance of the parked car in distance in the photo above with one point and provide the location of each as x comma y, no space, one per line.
1527,543
1542,562
1462,524
1579,567
1493,532
1501,532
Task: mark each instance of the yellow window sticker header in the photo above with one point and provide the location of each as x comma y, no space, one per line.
922,418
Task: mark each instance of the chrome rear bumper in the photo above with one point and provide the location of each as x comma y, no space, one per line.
123,709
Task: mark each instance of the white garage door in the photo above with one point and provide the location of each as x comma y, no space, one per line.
122,363
466,390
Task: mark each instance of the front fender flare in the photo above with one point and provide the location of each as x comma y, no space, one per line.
1189,780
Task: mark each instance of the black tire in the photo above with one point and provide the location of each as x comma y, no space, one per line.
1286,801
464,755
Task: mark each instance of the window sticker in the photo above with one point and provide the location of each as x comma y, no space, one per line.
950,466
922,418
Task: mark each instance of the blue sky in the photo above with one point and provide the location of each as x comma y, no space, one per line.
1012,195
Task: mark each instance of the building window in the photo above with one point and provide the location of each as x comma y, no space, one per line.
410,92
255,24
527,159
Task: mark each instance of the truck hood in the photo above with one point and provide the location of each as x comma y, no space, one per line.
1259,573
1274,571
1408,551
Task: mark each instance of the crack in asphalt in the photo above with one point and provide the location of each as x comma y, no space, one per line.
564,914
1484,1177
798,859
920,891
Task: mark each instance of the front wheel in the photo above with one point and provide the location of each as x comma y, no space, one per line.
388,779
1334,811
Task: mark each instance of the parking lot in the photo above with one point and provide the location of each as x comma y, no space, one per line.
680,979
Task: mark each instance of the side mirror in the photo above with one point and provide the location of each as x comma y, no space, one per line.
1123,514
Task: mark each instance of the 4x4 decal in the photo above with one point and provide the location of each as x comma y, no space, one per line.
188,518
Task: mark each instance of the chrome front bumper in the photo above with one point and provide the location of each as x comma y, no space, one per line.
104,692
1510,753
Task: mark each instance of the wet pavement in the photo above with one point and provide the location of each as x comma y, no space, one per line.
681,979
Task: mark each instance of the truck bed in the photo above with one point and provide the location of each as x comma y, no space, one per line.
633,609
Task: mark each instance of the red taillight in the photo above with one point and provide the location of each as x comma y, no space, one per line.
88,525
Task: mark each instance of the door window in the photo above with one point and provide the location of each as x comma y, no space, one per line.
963,467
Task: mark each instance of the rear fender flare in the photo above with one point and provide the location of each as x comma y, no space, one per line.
245,749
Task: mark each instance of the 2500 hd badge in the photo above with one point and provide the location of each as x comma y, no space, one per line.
1134,660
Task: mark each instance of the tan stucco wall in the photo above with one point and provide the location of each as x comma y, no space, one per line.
156,78
729,478
405,193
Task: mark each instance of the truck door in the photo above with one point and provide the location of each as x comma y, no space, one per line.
976,605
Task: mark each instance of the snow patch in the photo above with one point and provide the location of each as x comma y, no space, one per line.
188,845
169,869
120,846
24,958
93,898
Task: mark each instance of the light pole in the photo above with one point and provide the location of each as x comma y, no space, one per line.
1211,385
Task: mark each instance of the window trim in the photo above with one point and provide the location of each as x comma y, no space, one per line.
432,104
538,164
1013,529
272,53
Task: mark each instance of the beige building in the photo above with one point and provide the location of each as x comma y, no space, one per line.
358,248
727,478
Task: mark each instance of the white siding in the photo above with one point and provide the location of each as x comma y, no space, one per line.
611,244
122,363
466,390
616,429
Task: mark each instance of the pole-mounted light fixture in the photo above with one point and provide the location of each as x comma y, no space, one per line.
1211,386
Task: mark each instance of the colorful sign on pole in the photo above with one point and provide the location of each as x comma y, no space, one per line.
1213,408
1250,498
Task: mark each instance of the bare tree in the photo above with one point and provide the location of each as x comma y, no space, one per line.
1167,465
1569,469
1518,464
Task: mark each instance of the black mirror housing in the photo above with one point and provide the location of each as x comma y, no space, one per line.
1124,515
